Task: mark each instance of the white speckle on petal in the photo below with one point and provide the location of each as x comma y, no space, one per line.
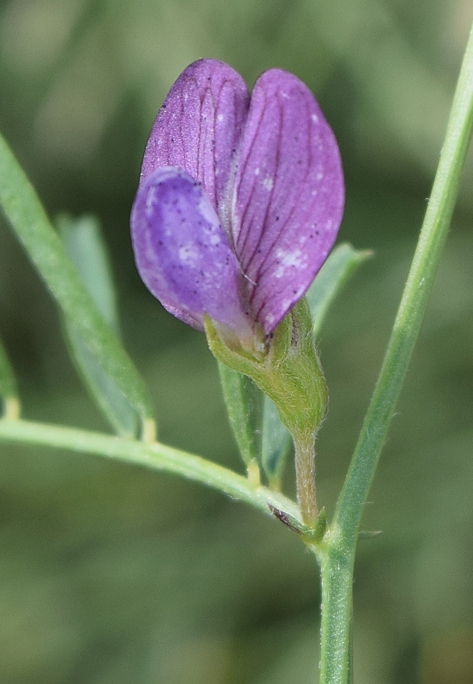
269,319
150,253
188,254
315,118
150,201
257,172
268,184
319,176
220,118
313,193
207,211
296,259
214,239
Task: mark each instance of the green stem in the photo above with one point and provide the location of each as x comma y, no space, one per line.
339,550
155,456
335,628
304,451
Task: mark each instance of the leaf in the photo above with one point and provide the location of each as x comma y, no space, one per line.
339,267
276,444
28,219
243,402
88,252
276,440
8,387
85,246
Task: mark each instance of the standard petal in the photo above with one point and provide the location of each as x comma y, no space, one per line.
199,126
289,195
183,254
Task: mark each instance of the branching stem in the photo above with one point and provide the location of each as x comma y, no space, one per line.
151,455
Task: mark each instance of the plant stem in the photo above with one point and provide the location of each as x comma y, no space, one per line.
337,555
304,451
337,579
151,455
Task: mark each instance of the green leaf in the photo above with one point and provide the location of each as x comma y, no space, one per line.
243,401
276,440
339,267
45,249
85,246
8,387
276,444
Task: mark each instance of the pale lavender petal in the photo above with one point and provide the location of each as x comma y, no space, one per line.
183,254
289,195
199,126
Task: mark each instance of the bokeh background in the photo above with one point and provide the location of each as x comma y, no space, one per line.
110,574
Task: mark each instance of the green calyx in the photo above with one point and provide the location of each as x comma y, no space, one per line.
289,372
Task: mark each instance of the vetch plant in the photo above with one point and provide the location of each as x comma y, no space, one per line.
238,206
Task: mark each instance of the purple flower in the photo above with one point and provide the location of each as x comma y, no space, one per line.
240,198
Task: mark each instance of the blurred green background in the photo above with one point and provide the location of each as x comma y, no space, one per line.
110,574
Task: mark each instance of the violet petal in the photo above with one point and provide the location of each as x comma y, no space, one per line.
183,254
199,126
289,195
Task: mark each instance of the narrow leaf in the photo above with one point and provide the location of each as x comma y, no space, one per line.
44,247
276,444
339,267
85,246
8,387
243,402
276,440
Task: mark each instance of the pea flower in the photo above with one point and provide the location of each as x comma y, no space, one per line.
239,202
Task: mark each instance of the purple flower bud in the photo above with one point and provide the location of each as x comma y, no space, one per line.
240,198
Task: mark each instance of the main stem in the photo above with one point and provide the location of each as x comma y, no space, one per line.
338,553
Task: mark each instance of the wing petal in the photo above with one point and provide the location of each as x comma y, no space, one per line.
289,195
183,254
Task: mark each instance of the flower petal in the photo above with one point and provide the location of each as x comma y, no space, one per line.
289,195
198,128
183,254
